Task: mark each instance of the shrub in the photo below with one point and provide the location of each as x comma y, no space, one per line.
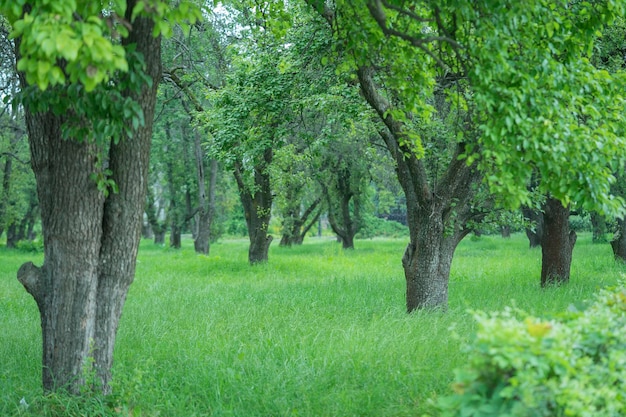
376,227
519,365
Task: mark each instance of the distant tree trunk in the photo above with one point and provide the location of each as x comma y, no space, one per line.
345,224
6,190
146,231
535,235
598,228
206,203
294,233
158,228
257,206
618,244
90,242
175,236
505,231
174,212
557,244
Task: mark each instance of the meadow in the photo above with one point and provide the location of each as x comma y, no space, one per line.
317,331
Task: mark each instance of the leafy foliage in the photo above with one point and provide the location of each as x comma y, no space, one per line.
522,365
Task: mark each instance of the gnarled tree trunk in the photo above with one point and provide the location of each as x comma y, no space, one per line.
436,215
90,242
557,244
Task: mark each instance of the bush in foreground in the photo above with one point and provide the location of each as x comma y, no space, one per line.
519,365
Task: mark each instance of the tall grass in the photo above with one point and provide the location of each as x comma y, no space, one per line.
315,332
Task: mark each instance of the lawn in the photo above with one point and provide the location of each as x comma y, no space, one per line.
315,332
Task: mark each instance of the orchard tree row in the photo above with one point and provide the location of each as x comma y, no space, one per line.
131,106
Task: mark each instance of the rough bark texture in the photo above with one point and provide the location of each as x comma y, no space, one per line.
618,244
557,244
257,206
436,215
90,244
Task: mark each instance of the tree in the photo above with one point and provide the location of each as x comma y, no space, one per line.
18,201
524,99
89,103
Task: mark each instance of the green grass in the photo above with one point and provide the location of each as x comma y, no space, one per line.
315,332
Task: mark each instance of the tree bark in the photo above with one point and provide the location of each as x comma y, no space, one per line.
257,206
557,244
436,215
90,243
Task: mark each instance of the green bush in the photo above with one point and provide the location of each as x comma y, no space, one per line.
580,223
519,365
376,227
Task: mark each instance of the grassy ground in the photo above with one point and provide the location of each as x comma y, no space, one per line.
315,332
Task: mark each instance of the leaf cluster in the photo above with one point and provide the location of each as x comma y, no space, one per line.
520,365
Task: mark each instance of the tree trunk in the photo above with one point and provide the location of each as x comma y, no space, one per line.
6,190
158,229
65,287
175,238
90,243
599,228
535,235
207,208
557,244
618,244
257,206
294,233
348,224
436,214
427,262
505,231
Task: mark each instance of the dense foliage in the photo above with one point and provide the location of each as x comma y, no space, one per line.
572,365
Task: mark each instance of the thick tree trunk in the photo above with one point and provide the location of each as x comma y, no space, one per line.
257,206
557,244
90,244
618,244
65,287
427,262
